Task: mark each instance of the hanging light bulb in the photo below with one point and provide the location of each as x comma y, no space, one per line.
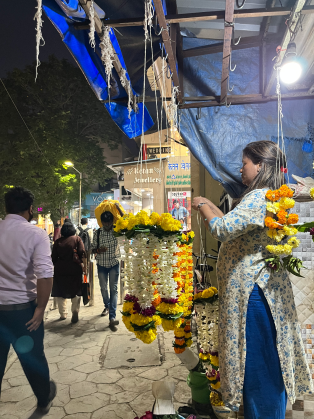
291,70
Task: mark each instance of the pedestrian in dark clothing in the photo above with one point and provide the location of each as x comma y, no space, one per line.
68,255
25,282
57,232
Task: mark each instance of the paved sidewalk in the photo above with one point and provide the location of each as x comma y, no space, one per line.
86,390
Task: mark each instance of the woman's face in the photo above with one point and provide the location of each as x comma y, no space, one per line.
249,170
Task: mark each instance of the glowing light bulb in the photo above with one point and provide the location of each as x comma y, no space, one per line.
290,72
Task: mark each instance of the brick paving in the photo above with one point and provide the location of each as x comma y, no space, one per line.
87,390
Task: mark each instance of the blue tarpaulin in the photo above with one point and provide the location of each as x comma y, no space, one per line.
219,136
77,41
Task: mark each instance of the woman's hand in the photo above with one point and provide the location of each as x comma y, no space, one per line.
196,201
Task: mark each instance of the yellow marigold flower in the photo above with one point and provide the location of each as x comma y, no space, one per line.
276,235
155,218
287,249
208,293
272,207
312,191
289,231
215,386
286,203
179,332
214,360
275,250
294,242
192,234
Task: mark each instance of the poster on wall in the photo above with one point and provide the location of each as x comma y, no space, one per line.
179,206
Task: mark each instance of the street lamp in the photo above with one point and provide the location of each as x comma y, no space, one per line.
70,164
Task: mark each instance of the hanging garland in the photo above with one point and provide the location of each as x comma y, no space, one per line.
182,334
207,328
153,275
107,54
92,29
173,107
280,225
39,35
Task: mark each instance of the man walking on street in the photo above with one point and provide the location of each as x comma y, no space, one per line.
26,272
105,246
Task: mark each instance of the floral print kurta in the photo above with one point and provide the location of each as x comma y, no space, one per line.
239,267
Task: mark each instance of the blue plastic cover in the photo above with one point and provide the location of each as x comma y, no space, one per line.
219,136
77,41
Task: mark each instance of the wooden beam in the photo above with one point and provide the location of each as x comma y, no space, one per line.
248,42
210,101
201,17
294,19
226,53
168,45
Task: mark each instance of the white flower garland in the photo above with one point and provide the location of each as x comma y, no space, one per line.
207,326
127,86
167,286
173,107
138,267
148,20
39,35
107,54
92,25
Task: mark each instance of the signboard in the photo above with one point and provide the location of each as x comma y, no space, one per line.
179,206
156,150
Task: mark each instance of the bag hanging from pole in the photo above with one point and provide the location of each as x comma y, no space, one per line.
85,290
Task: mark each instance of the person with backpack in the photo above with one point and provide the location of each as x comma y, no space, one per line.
86,235
105,247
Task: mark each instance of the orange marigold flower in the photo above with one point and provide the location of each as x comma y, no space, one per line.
155,256
271,223
180,341
273,195
293,219
179,350
282,217
285,192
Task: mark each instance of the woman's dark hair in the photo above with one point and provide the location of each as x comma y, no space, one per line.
68,230
57,225
272,159
18,200
106,217
67,220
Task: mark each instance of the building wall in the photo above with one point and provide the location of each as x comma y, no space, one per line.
204,185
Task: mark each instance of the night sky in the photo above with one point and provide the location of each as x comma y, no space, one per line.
17,34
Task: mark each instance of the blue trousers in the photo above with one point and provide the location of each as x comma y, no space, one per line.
264,394
113,275
29,348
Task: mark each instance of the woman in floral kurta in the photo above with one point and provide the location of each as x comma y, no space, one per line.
241,273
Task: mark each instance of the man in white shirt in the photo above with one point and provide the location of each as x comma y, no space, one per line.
26,272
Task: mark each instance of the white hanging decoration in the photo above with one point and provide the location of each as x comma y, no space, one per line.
148,20
138,267
107,54
127,86
39,35
167,248
92,25
173,108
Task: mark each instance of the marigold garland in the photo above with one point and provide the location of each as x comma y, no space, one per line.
279,228
159,274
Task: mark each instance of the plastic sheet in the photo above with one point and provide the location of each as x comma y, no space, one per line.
219,136
77,41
